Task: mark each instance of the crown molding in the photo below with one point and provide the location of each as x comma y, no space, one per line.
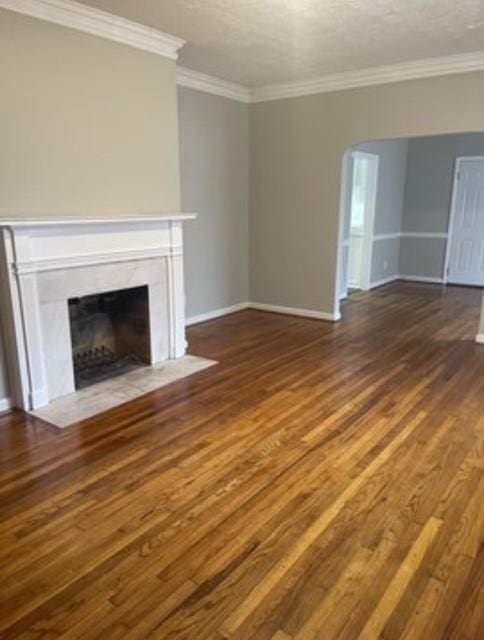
99,23
419,69
428,68
211,84
69,13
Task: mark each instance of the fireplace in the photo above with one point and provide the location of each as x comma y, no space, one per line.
85,299
110,334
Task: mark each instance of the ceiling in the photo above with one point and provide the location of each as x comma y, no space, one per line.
262,42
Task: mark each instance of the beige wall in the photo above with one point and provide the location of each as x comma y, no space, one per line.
87,126
214,141
296,150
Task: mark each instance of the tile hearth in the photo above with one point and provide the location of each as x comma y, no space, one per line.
100,397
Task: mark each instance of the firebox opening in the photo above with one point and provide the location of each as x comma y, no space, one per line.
110,334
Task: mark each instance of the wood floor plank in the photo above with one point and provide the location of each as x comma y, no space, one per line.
324,480
376,622
313,532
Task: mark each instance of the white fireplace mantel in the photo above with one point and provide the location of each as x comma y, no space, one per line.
47,261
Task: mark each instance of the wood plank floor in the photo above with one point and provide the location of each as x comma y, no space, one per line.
323,481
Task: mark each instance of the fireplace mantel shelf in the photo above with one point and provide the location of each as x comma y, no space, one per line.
31,223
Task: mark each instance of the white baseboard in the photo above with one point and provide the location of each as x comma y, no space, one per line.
294,311
260,306
380,283
480,338
421,279
5,404
216,313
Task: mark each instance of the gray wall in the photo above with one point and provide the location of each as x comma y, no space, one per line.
391,183
296,151
422,257
214,182
427,201
385,260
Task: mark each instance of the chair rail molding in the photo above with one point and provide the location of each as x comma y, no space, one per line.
425,234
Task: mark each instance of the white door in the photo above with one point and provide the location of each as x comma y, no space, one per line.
466,237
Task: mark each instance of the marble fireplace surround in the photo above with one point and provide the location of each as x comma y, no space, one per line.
48,261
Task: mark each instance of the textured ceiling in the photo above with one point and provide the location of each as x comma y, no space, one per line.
259,42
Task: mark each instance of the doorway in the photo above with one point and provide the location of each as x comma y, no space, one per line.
465,251
361,217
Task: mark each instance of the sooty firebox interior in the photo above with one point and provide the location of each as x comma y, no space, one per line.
110,334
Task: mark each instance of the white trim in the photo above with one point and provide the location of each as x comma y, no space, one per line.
73,221
480,338
379,283
409,234
386,236
99,23
394,278
107,25
22,267
294,311
430,280
424,234
369,222
427,68
28,250
5,405
216,313
211,84
73,262
344,203
260,306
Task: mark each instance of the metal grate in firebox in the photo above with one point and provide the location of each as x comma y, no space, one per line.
100,363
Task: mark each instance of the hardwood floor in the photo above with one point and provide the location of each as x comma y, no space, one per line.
323,481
